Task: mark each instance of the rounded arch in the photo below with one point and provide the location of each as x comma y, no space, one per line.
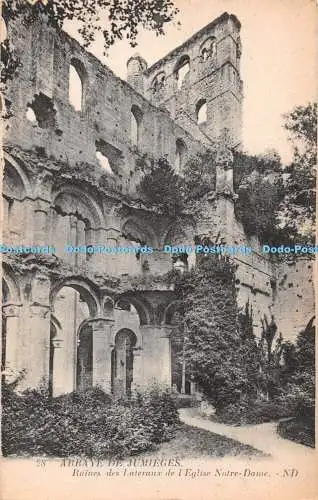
181,70
71,199
19,176
208,48
141,304
139,231
86,289
182,61
77,83
108,306
126,332
170,310
158,81
201,111
136,120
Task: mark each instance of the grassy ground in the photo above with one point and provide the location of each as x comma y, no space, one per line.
191,442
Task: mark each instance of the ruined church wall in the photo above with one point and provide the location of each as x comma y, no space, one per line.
69,135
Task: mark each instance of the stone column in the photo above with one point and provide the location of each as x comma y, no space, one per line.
225,191
138,375
73,257
15,222
102,348
41,231
13,342
58,376
165,349
36,332
156,354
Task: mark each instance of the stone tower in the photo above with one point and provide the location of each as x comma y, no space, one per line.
199,82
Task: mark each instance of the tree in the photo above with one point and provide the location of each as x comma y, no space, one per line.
256,207
297,211
212,335
250,353
160,187
124,18
271,346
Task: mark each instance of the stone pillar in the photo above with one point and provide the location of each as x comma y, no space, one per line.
15,221
73,257
225,191
102,348
13,342
41,223
5,209
156,354
99,261
36,333
165,350
138,375
81,241
58,375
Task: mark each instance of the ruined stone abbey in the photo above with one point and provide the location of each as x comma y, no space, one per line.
74,133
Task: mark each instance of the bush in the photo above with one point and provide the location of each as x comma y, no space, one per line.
254,412
297,431
88,424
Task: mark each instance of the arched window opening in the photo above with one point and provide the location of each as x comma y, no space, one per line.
201,111
158,82
181,71
104,162
205,54
181,151
208,49
180,262
3,30
30,115
75,87
136,119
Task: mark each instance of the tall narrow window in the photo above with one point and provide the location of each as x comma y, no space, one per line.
182,69
201,111
136,118
75,88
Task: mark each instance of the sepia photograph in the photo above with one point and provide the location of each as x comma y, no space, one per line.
158,249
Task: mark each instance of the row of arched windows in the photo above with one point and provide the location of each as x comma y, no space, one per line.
182,67
76,91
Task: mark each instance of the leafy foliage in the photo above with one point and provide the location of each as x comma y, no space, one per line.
297,210
257,205
123,19
88,424
160,187
211,336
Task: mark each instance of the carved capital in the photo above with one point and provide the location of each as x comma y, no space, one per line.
39,310
100,324
11,310
42,206
58,343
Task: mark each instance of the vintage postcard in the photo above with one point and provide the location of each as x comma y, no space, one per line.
158,249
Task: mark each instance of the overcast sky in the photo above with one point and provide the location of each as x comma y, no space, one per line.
278,60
